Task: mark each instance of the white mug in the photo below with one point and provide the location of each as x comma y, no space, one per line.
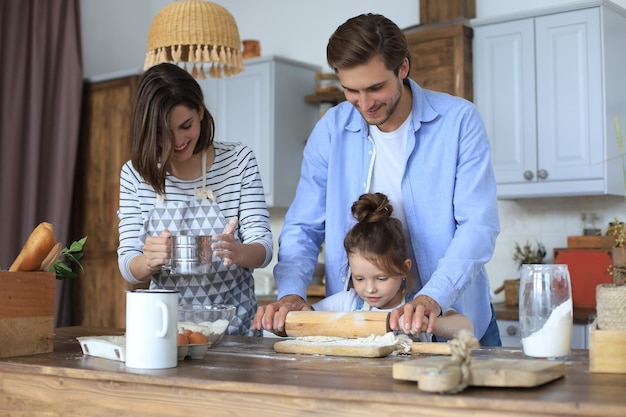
151,327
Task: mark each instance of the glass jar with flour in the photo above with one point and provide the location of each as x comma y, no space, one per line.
546,311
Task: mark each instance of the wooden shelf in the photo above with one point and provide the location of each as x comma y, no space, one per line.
313,294
331,97
316,291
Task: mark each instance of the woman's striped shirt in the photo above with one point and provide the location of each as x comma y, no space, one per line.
237,188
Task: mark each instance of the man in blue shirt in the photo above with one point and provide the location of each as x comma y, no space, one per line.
427,151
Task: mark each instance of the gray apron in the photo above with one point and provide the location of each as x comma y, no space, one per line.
201,215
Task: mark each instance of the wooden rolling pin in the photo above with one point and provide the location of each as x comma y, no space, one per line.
350,324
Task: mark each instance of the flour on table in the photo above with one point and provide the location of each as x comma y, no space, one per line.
388,339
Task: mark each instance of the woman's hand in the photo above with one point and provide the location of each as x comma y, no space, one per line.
156,252
226,246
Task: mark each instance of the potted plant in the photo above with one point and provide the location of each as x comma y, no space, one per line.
526,254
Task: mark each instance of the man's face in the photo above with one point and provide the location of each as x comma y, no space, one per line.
375,92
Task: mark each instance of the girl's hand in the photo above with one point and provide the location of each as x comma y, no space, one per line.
226,247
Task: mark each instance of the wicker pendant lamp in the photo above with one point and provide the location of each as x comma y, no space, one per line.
199,33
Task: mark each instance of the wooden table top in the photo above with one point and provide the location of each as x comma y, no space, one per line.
244,376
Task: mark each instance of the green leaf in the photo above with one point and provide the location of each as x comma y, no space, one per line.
78,245
73,254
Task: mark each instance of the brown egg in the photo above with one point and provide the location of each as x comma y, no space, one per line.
197,338
188,332
182,339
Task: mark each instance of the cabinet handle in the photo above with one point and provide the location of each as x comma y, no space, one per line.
511,330
528,175
542,174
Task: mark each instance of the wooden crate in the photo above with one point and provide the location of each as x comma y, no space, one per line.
607,350
590,242
26,313
435,11
442,57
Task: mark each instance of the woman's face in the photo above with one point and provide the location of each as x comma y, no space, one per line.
185,128
378,288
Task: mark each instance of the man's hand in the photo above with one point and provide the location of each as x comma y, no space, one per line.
272,316
413,315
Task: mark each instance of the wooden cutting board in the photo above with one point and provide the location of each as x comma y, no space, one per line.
336,348
349,348
433,375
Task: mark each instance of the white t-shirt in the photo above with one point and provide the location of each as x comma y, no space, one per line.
389,164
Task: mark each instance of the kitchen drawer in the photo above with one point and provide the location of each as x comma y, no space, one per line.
580,336
510,333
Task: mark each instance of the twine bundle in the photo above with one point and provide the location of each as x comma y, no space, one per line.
461,347
196,32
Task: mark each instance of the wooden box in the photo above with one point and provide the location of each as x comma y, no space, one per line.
26,313
590,242
511,292
607,350
435,11
442,58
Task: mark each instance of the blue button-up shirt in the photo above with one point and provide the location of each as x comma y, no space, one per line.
448,190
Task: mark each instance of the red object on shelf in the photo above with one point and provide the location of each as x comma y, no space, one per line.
587,269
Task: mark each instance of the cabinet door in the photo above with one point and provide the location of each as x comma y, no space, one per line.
504,84
569,96
580,336
241,106
264,107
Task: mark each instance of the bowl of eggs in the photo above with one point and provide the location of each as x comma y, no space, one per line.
201,327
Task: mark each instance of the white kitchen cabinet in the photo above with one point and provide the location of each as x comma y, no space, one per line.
548,86
510,333
580,336
511,336
264,108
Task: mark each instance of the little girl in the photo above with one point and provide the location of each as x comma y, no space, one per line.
379,269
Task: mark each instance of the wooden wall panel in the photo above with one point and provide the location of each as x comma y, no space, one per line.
99,294
435,11
442,57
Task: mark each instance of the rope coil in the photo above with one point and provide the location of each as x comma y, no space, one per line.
461,347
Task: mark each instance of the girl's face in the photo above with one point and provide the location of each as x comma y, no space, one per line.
377,287
185,128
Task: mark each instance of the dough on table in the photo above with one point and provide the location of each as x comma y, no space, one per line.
388,339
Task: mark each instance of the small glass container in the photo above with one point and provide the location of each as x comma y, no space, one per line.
546,311
590,224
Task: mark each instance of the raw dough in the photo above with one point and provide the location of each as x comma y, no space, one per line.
388,339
